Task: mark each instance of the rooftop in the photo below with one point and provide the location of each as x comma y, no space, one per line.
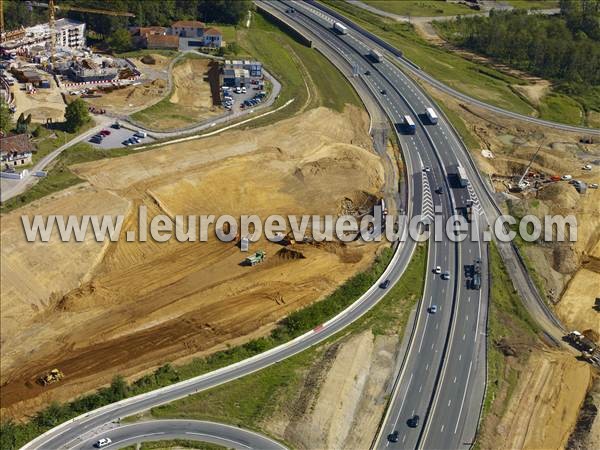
187,24
16,143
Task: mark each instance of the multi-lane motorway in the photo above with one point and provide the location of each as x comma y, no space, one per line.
442,379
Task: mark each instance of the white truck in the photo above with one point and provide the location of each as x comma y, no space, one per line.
375,55
432,116
340,28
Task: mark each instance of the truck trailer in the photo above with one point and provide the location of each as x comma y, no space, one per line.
432,116
409,125
340,28
375,55
463,181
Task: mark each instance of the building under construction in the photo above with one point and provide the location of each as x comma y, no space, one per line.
69,34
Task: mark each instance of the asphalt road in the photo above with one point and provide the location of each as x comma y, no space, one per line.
195,430
442,378
448,348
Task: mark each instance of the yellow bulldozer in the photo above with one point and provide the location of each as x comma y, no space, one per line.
53,376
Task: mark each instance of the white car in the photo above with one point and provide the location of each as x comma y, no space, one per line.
593,186
244,90
103,443
433,309
427,169
437,270
566,177
587,167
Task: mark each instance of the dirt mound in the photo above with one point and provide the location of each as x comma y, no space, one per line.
148,59
288,253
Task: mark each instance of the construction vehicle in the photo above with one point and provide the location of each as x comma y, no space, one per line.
590,352
53,376
255,259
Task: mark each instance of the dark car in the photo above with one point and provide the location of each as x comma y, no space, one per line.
385,284
116,126
393,437
367,72
413,422
384,92
440,190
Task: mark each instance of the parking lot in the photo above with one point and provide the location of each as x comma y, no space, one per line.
252,90
116,137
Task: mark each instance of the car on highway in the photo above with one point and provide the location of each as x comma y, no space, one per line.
427,169
385,284
440,190
367,72
446,275
437,270
413,422
393,437
383,92
433,309
103,442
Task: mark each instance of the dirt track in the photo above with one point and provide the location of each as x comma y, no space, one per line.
143,304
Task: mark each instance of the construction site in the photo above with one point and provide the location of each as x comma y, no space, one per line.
128,307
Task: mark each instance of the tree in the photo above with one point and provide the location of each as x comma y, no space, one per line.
120,41
76,115
22,124
6,122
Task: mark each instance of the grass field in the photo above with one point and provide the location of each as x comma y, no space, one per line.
420,8
485,84
247,401
531,4
507,317
560,108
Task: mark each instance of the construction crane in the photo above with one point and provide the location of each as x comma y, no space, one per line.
52,8
521,184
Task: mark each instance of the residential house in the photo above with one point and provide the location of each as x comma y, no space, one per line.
15,150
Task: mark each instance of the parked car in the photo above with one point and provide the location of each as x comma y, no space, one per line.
140,134
593,186
116,126
566,177
244,89
126,142
105,133
587,167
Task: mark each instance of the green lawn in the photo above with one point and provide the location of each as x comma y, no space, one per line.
248,401
560,108
49,140
507,318
485,84
531,4
420,8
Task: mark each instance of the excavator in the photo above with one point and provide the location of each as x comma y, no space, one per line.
53,376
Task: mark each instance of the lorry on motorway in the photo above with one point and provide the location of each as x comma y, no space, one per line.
463,181
476,280
409,125
375,55
340,28
432,116
469,211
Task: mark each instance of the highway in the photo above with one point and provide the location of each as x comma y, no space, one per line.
452,333
443,377
195,430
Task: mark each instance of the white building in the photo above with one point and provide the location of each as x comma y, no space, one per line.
69,34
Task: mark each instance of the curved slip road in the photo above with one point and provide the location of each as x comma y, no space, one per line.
194,430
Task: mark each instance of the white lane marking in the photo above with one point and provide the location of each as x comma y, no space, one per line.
464,396
134,437
460,357
449,402
420,388
217,437
402,404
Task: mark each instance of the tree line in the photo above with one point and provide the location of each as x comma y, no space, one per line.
18,13
564,48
